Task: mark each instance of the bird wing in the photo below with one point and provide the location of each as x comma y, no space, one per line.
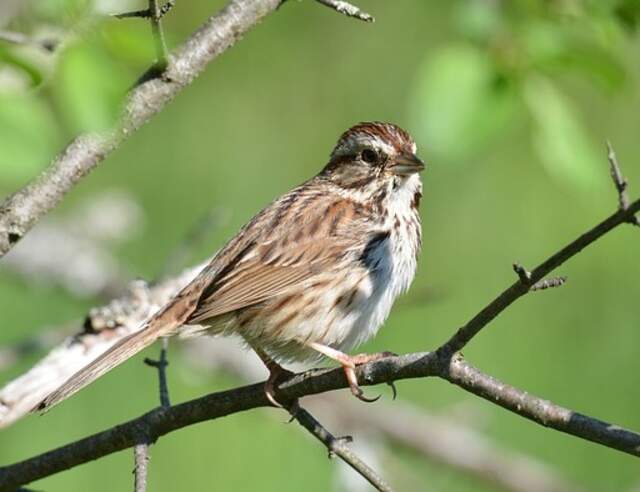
283,253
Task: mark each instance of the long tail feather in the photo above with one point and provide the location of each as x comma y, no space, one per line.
161,324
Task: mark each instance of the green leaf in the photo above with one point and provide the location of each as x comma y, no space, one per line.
89,87
460,102
28,136
561,142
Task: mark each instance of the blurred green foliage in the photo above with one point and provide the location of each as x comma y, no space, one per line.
510,102
510,67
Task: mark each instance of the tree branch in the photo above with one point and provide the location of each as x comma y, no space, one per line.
161,421
338,446
543,412
21,210
527,281
445,363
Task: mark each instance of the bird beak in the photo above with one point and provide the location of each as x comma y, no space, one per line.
407,164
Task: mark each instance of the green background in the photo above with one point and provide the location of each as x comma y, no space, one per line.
510,105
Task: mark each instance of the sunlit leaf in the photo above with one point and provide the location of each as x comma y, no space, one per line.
28,136
460,102
560,140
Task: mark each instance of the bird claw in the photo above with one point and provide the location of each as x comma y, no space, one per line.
276,374
394,390
359,394
356,390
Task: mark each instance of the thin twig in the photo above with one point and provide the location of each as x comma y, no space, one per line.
620,183
519,288
347,9
525,278
337,446
523,273
161,421
141,461
141,450
21,210
161,365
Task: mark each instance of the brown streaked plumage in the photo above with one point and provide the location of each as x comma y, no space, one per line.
314,274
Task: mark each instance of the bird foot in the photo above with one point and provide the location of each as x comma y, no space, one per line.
277,374
349,363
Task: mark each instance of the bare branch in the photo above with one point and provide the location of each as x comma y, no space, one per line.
520,288
21,210
161,421
445,363
450,442
543,412
338,447
347,9
445,440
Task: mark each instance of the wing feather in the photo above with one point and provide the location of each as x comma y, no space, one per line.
281,259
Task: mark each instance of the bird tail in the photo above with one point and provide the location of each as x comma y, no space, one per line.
163,323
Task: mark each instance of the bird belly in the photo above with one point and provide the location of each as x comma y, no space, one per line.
339,309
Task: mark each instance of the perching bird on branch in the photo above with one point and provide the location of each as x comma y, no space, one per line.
313,274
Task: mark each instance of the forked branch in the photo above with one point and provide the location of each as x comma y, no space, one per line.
445,363
161,421
20,211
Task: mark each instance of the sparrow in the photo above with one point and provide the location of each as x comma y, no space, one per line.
312,275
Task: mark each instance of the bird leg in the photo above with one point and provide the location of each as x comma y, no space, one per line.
349,363
276,373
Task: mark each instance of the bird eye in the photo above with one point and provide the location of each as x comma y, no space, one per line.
370,156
